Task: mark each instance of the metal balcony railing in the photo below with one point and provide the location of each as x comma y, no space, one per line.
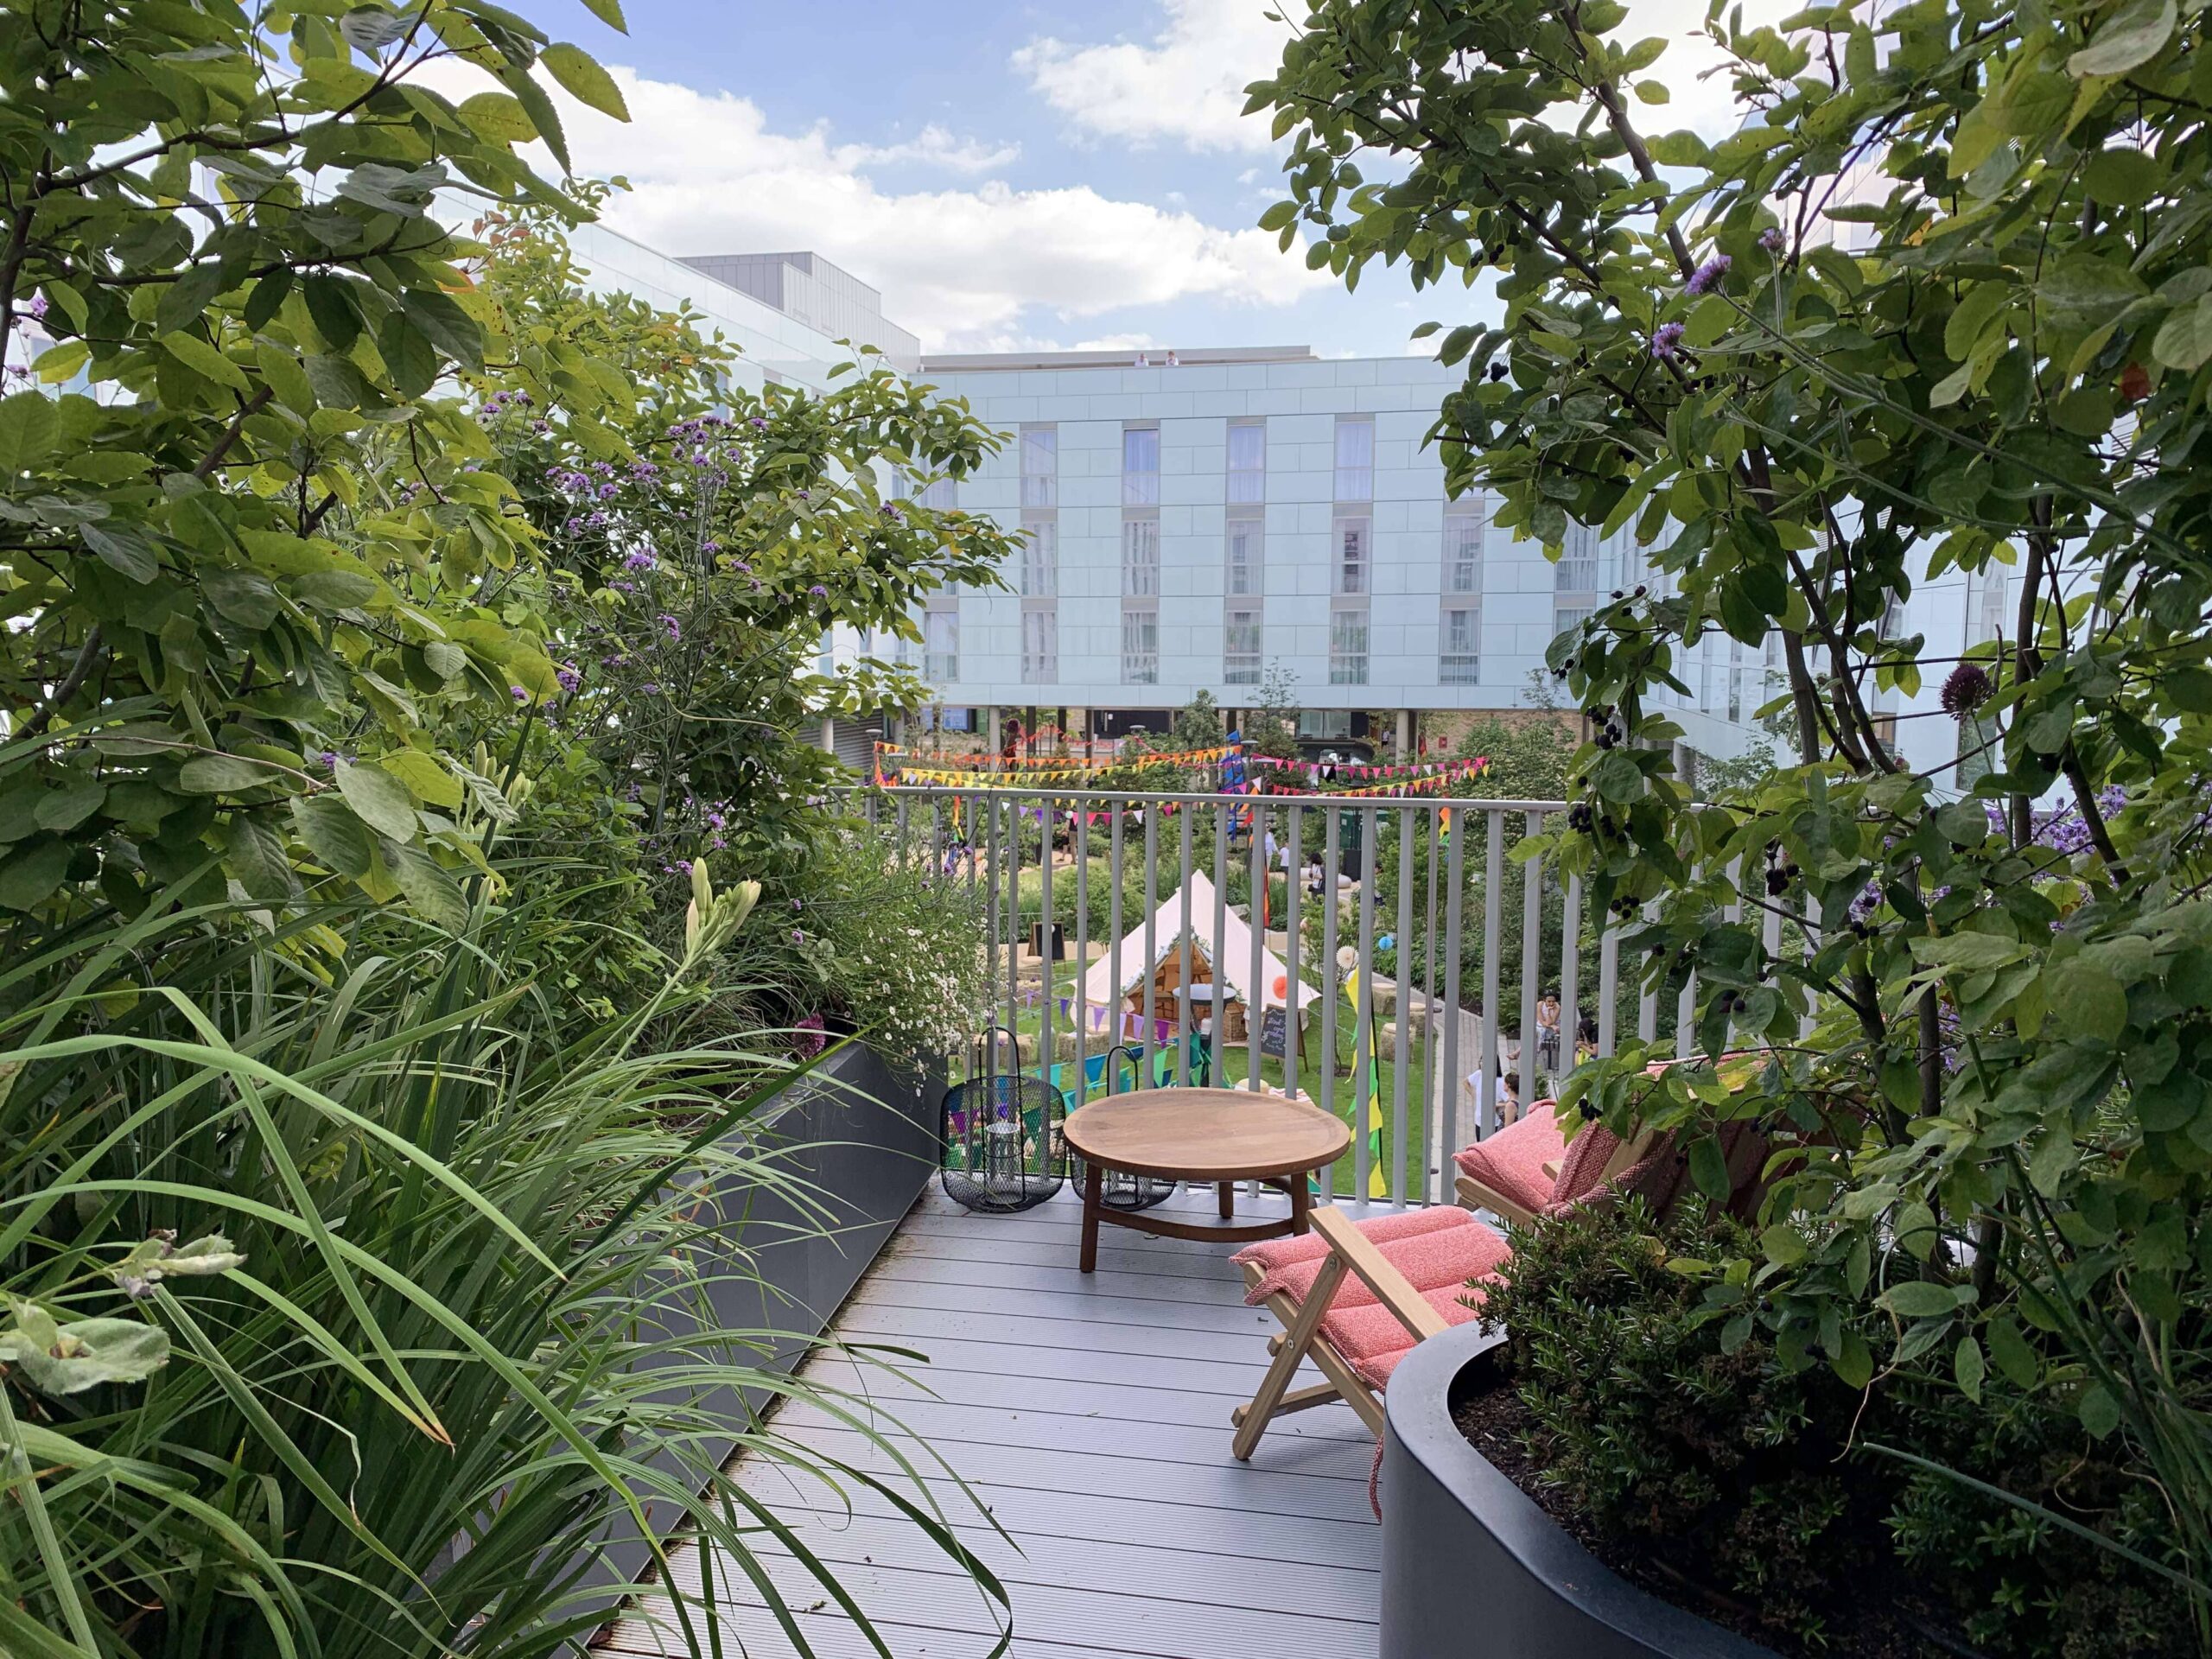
1462,945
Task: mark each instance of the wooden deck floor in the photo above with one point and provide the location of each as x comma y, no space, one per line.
1090,1414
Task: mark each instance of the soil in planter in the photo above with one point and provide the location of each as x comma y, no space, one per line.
1877,1612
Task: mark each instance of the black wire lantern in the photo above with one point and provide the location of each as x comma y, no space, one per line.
1003,1147
1117,1191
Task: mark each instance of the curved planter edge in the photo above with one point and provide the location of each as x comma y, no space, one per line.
1473,1568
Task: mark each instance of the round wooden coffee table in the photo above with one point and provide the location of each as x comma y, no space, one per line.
1217,1135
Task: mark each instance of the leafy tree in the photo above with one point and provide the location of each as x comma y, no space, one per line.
1995,1049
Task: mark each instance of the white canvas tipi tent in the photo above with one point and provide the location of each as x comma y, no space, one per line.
1226,960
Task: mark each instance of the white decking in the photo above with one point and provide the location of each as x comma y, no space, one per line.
1090,1414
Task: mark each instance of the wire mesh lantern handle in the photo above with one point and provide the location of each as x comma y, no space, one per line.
1002,1143
1116,1190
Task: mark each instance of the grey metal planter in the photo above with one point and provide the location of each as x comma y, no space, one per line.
864,1133
1473,1568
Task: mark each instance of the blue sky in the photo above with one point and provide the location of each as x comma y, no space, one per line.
1012,175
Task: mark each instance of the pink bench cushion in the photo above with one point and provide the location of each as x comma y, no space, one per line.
1438,1250
1511,1162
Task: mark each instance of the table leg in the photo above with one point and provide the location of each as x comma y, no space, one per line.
1301,1202
1094,1185
1227,1192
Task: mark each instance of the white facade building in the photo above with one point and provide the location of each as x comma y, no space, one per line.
1204,521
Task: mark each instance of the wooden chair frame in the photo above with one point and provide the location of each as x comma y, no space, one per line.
1350,1251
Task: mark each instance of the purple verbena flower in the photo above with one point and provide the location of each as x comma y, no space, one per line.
642,559
809,1035
1772,240
675,628
1667,341
819,591
1707,275
567,676
521,696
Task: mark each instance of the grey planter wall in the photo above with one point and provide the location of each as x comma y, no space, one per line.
866,1139
1473,1568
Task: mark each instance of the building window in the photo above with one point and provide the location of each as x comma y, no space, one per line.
940,647
1355,461
1565,617
1460,663
1980,750
1248,462
1245,537
1736,676
938,495
1354,555
1463,548
1141,466
1040,466
1986,617
1140,558
1140,647
1240,647
1040,647
1040,555
1577,572
1348,648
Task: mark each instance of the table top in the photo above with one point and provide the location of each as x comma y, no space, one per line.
1206,1134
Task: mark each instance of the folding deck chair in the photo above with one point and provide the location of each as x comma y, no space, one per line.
1355,1296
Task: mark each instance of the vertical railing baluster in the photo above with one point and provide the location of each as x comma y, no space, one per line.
1013,921
1331,833
1489,1109
1401,1048
1362,1049
1294,890
1256,910
1647,1002
1570,972
1217,1037
1079,839
1117,1019
1455,916
1424,1192
1188,1013
1045,1056
1609,984
1532,960
990,833
1147,1044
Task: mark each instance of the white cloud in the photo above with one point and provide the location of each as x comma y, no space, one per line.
933,147
1186,85
959,266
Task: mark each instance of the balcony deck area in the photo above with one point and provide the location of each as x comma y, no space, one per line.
1090,1414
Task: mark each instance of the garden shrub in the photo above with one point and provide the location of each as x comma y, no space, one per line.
1719,1461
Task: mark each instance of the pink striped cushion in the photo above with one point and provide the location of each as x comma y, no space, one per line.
1511,1162
1372,1341
1439,1251
1277,1255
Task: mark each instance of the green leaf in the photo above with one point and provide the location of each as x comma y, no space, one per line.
440,321
432,893
2122,178
2129,38
1967,1365
1917,1299
333,833
423,776
255,854
1653,92
2089,1001
381,800
205,360
1709,1167
26,423
124,548
2052,1161
1968,953
2014,1357
2184,339
58,1359
70,805
59,363
2100,1412
1854,1361
610,13
29,874
224,774
369,30
498,117
539,108
245,597
584,80
1784,1245
1983,301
